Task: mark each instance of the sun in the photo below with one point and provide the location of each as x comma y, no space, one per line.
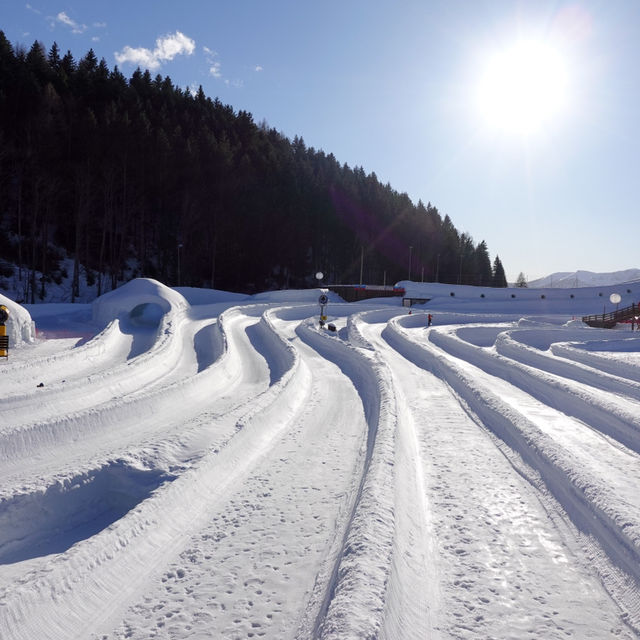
522,89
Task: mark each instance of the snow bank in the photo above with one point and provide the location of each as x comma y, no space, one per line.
20,327
133,294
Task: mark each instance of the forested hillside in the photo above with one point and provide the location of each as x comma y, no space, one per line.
138,177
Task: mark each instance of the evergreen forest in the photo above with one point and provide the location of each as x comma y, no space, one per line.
138,177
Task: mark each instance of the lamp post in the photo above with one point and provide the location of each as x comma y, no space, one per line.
410,250
438,268
179,247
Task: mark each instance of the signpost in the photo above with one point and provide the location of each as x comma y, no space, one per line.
322,301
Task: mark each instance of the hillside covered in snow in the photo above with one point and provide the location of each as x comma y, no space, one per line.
567,280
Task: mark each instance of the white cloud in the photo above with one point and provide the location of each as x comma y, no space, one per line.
258,68
214,65
69,22
140,57
167,48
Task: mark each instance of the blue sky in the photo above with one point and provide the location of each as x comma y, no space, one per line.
401,89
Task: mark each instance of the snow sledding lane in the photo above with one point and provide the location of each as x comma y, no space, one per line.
63,594
605,469
144,402
503,568
261,563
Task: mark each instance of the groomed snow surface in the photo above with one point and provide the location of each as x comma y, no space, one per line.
198,464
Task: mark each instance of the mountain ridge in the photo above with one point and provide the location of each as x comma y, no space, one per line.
583,278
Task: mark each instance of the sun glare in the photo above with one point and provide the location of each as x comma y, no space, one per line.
523,88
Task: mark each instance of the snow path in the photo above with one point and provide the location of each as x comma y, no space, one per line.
237,472
610,473
599,499
136,418
90,573
488,536
282,521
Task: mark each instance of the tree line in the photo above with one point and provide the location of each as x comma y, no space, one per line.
138,177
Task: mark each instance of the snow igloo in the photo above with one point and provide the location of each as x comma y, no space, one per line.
143,300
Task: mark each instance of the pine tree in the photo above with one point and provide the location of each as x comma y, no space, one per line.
499,277
111,169
521,281
484,274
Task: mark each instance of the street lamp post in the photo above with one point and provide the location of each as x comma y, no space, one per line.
438,268
410,250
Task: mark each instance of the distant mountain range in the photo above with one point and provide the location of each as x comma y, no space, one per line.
571,280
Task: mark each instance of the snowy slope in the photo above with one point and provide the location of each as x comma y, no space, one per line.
197,464
582,278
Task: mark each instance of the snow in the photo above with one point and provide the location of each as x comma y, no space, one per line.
19,325
581,278
185,463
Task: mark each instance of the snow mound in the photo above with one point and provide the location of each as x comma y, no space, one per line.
20,327
134,294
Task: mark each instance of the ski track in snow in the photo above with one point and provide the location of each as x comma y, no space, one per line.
242,473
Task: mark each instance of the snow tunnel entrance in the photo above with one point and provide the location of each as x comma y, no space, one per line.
147,314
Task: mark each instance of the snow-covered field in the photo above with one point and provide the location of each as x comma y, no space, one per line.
198,464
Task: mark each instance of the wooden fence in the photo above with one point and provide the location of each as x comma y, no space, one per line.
609,320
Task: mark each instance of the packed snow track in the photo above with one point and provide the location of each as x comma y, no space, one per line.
226,468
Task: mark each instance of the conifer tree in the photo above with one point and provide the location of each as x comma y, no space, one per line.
484,273
116,172
499,277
